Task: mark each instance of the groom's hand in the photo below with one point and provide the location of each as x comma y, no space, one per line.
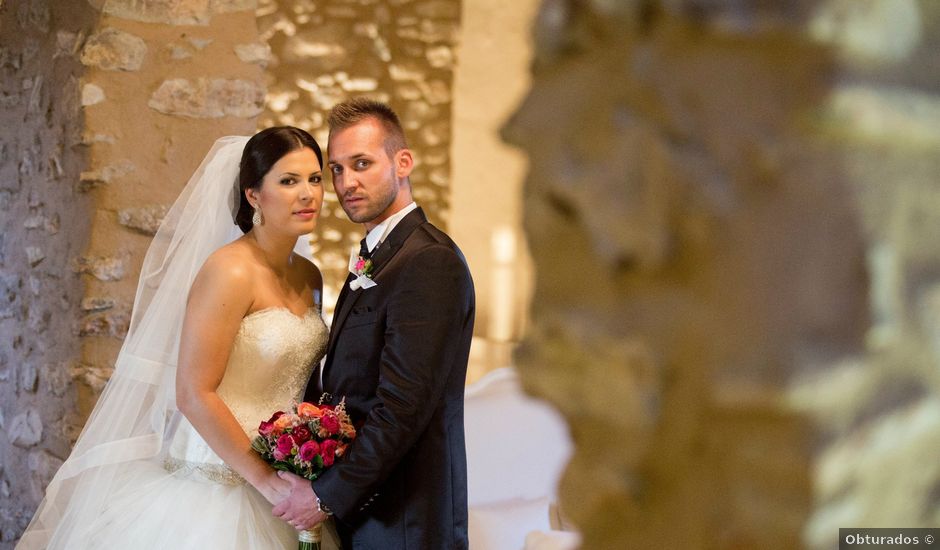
300,508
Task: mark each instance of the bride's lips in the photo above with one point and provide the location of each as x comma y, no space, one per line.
306,213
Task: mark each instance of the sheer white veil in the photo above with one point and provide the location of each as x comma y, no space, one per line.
136,413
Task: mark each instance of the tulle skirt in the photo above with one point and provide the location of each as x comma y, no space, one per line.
154,508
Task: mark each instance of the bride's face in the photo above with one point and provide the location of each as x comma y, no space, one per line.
291,193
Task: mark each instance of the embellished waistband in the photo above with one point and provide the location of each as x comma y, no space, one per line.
217,473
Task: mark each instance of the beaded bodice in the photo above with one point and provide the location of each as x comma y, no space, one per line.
272,357
271,360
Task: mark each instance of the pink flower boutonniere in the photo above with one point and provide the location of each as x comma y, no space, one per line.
363,267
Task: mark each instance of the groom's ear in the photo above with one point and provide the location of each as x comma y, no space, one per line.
404,163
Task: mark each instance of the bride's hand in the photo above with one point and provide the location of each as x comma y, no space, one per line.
273,488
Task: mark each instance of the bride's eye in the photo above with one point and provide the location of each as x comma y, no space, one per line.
317,178
287,181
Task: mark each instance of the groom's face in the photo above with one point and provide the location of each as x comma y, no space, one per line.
365,178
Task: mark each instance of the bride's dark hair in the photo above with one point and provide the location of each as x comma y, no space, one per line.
262,151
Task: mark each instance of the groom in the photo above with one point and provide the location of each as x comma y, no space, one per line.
398,354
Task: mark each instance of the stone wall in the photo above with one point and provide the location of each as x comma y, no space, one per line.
732,208
697,249
164,81
44,225
879,411
161,81
401,52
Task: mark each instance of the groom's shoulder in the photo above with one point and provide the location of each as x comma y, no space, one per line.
432,242
430,235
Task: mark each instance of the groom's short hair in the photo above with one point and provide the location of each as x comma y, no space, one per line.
354,111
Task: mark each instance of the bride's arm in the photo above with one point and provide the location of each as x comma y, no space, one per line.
219,299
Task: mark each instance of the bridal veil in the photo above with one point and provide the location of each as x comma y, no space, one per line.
136,413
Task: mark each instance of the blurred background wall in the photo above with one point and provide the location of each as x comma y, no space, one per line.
731,207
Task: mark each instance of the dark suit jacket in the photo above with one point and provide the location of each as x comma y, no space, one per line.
398,354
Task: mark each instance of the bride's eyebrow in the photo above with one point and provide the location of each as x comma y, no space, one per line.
298,175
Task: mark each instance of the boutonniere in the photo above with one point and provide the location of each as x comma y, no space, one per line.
362,268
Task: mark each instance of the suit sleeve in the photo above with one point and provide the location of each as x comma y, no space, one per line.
426,316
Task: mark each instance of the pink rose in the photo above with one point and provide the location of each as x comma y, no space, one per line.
328,451
330,423
278,455
285,444
266,428
301,434
309,450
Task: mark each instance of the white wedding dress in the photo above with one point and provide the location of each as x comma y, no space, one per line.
189,498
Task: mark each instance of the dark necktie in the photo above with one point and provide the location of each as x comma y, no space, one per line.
364,250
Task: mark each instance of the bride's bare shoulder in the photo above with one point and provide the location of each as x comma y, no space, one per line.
232,266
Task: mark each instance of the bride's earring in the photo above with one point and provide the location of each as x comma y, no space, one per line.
257,219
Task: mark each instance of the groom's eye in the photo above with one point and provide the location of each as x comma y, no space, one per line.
362,164
336,169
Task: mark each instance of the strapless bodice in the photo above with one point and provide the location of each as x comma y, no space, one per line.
271,360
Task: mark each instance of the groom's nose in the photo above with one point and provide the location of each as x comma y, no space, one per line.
349,183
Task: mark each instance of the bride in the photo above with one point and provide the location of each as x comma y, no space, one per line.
226,329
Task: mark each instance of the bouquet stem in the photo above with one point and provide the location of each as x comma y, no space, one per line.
309,539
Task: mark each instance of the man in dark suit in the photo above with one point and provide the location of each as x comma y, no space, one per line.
398,354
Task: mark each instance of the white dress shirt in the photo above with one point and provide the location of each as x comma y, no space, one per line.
380,232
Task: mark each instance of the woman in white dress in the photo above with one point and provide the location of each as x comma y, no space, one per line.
226,329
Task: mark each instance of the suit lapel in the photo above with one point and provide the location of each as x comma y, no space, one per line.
396,238
343,295
384,253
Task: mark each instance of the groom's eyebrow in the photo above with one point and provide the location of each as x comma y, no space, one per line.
350,157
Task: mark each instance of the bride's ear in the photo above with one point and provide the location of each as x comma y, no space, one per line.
251,195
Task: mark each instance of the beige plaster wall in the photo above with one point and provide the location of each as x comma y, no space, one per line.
486,200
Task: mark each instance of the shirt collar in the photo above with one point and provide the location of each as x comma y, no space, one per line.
380,232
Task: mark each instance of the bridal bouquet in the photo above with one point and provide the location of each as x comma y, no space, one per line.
305,442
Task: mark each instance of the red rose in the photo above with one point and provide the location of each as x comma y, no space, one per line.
328,451
285,444
330,423
266,428
301,434
275,416
309,451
